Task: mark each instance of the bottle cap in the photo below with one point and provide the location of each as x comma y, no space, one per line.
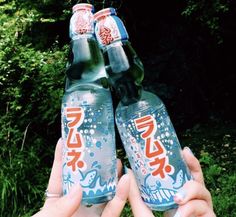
104,12
82,6
82,21
109,28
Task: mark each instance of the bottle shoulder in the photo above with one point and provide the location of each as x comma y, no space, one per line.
85,87
151,97
86,60
148,100
121,57
89,94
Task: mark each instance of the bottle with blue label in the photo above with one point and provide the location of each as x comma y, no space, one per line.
122,63
145,128
89,152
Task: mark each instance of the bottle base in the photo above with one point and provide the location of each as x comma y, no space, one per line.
88,202
162,208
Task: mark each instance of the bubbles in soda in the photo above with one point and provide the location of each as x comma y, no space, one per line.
153,150
89,155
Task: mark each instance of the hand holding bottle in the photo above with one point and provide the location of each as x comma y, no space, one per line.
87,117
193,198
145,128
70,204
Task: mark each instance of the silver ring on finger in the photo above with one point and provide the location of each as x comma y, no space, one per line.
47,195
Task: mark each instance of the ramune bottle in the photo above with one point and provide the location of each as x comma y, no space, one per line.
146,131
89,154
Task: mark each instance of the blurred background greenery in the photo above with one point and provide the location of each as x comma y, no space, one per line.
188,51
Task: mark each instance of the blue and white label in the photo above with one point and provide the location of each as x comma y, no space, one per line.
109,28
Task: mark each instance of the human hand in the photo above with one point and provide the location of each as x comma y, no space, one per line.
139,208
69,205
193,198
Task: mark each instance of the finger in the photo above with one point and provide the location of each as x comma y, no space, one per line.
55,180
193,190
193,164
116,205
119,168
65,206
195,208
139,208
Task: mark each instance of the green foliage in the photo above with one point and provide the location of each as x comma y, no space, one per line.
208,13
224,197
221,183
17,179
32,64
31,85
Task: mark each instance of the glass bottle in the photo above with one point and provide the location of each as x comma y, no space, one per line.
89,152
145,128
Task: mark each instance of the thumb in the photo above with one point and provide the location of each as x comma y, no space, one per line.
66,205
194,165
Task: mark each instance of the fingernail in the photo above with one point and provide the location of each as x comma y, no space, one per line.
177,214
189,150
60,140
179,196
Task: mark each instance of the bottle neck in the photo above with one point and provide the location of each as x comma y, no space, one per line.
118,59
81,49
125,71
86,63
123,66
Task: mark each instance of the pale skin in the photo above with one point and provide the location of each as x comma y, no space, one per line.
195,203
69,205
